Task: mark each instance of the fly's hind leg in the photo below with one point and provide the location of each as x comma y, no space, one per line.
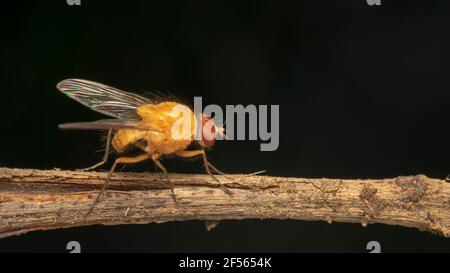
105,156
155,158
120,160
207,166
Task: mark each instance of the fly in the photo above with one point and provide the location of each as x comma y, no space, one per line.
145,123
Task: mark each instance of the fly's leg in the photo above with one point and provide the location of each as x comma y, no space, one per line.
120,160
155,158
105,156
211,166
207,166
158,165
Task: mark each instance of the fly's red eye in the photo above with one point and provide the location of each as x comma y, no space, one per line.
208,131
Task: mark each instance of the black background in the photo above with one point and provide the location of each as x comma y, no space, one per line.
363,93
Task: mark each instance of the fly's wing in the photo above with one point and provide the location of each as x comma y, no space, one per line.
106,124
104,99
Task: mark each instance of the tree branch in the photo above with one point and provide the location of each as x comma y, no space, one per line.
42,200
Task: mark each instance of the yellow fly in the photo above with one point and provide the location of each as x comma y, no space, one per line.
145,123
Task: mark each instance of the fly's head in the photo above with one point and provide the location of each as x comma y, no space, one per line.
210,131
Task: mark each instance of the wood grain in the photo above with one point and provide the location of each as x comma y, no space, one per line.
51,199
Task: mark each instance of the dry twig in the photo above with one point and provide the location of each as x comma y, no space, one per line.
41,200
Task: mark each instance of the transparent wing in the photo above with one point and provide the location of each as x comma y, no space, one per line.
106,124
104,99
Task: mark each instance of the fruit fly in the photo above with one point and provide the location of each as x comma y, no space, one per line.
142,122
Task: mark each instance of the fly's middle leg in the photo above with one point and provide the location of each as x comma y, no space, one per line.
155,158
105,156
120,160
207,166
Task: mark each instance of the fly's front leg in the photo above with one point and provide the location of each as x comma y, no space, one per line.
105,156
211,166
120,160
207,165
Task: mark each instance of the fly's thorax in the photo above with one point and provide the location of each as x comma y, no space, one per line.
173,120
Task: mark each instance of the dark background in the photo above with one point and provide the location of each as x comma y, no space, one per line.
363,93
